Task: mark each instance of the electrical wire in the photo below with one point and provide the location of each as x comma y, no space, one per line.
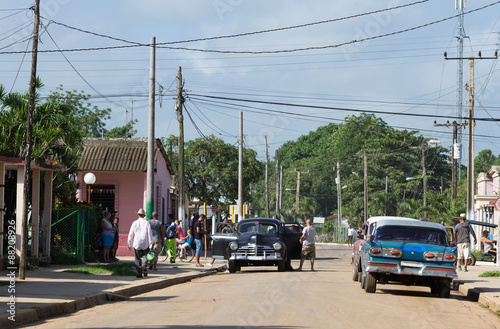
338,108
159,45
249,33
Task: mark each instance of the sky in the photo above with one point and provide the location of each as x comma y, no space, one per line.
395,67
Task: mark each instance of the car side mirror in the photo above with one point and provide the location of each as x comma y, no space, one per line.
372,237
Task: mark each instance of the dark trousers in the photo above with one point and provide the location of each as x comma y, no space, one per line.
140,259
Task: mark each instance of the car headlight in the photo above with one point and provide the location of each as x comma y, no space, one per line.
277,246
233,246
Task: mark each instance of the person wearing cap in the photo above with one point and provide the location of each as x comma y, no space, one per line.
108,234
141,239
461,235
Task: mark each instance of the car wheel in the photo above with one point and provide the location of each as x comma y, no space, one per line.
435,286
231,264
362,278
472,260
444,288
281,266
355,272
370,283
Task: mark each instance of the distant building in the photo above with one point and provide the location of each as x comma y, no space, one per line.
120,167
487,194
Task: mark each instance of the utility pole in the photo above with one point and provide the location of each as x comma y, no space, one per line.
365,187
281,186
180,140
471,124
151,132
339,196
240,171
424,179
460,6
277,181
297,195
455,155
267,180
29,147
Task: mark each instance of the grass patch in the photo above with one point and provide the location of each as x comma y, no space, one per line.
121,269
61,256
490,274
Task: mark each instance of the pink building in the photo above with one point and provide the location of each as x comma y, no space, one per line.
120,167
487,194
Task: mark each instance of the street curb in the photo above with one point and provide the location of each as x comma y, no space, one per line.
111,295
474,294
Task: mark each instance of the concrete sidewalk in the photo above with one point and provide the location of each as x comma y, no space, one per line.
486,291
49,292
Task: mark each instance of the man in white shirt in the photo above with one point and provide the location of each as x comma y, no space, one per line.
140,234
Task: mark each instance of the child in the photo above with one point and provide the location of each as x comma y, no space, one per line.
189,240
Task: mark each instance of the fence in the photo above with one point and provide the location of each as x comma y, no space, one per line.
338,235
74,229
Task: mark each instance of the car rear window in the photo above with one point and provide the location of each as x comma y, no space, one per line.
411,234
258,227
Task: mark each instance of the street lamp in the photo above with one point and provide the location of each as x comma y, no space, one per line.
89,179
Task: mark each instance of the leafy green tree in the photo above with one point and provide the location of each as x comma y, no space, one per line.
483,161
211,169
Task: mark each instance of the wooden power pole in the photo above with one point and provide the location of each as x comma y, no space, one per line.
454,156
268,214
180,140
29,147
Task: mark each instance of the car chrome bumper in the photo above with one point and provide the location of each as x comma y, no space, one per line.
265,256
425,270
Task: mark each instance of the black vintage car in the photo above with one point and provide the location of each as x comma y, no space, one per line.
257,242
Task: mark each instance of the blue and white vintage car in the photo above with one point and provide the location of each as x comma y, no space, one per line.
405,250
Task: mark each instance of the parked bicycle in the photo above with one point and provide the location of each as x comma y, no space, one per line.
188,253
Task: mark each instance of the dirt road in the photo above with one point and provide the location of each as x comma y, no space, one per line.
263,297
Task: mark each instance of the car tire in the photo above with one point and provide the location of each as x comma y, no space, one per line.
370,283
231,264
281,266
444,288
472,260
435,286
355,273
362,279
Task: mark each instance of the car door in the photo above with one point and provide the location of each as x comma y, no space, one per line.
224,234
291,235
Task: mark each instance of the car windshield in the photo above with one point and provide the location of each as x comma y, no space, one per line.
411,234
257,227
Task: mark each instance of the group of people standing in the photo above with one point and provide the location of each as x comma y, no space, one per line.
109,236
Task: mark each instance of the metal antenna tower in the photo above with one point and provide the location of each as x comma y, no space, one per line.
460,6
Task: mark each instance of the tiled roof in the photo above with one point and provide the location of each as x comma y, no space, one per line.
118,154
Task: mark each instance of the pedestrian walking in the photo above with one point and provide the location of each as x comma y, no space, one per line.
158,234
171,238
461,235
108,235
199,232
350,236
141,239
308,248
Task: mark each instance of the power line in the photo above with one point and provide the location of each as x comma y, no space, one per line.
249,33
159,45
337,108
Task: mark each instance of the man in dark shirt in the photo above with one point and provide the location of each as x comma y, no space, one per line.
199,231
461,235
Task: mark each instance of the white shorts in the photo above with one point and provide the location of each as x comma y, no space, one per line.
185,245
463,250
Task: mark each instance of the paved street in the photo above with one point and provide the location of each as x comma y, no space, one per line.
263,297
